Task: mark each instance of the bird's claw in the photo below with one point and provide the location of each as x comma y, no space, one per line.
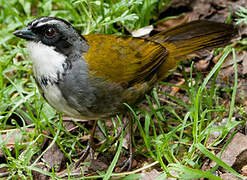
89,150
127,163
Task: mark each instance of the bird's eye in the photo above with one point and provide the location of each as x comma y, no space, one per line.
50,32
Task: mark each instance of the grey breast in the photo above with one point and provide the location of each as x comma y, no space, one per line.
92,97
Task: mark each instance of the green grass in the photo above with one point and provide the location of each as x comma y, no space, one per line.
176,141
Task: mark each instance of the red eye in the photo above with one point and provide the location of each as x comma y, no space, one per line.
50,32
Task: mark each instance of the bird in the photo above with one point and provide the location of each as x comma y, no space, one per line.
93,76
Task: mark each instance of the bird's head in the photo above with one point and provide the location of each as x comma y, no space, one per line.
54,32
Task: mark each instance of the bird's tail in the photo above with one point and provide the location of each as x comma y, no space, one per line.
192,37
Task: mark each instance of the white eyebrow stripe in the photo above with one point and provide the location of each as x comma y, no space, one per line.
47,22
35,21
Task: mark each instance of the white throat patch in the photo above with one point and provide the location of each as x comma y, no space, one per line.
46,61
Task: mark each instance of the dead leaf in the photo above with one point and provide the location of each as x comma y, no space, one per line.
150,175
176,89
54,157
73,172
206,165
173,173
244,170
235,154
38,175
244,58
179,3
202,65
229,176
98,165
11,137
69,125
19,57
210,9
172,22
142,31
240,56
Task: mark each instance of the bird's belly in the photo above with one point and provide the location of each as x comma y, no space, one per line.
55,98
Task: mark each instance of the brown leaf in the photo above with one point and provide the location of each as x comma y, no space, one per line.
13,136
172,22
244,170
244,58
229,176
98,165
38,175
150,175
4,172
54,157
74,172
69,126
202,65
176,89
235,154
240,56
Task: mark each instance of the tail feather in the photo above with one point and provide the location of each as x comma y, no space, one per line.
192,37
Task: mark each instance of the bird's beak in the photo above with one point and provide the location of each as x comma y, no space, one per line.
25,33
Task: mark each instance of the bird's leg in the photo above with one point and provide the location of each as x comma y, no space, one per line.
128,162
90,147
117,136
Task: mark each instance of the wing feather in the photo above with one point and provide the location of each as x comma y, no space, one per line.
124,59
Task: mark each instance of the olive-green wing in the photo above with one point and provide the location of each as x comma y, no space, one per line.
123,59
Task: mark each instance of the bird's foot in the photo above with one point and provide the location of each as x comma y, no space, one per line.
126,164
90,149
83,154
